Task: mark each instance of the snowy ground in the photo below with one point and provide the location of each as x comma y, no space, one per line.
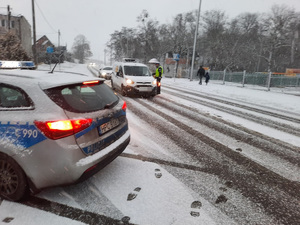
141,178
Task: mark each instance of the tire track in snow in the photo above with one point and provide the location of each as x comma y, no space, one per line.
257,119
248,177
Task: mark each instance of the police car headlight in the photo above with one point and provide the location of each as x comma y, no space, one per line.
128,81
154,82
103,73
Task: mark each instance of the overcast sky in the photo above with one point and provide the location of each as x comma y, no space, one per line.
97,19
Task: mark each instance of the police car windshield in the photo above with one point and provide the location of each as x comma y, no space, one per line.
136,71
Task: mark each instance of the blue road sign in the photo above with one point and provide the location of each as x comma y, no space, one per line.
49,49
176,57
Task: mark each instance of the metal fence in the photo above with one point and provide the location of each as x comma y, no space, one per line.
267,80
260,79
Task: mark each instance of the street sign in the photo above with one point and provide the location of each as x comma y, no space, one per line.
49,49
176,57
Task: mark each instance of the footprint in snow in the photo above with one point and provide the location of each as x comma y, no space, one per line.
158,174
133,194
221,199
239,149
196,205
125,220
7,219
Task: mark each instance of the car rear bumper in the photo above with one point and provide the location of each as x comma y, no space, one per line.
73,172
105,160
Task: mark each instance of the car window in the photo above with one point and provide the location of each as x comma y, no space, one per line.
136,71
120,71
83,98
13,97
107,68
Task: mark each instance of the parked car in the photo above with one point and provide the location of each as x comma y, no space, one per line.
56,129
131,77
105,72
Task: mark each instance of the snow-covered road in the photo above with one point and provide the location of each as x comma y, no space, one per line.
215,154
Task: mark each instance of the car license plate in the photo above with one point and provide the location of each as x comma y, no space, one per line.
109,125
144,89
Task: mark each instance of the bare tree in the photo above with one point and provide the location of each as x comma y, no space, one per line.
250,41
148,35
242,36
81,48
277,34
214,25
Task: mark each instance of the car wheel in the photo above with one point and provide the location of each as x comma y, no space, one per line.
13,182
123,92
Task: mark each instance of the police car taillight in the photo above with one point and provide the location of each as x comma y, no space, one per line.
124,107
62,128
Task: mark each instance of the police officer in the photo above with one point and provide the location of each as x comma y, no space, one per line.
158,75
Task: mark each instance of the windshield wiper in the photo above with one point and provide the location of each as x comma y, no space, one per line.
56,62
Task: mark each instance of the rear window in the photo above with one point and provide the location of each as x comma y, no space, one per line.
83,98
137,71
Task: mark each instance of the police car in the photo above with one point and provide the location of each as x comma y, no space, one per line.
56,129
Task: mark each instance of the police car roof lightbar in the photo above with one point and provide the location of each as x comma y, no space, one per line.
16,64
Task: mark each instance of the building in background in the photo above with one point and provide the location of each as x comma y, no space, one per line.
42,44
19,26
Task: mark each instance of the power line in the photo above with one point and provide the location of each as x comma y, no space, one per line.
44,17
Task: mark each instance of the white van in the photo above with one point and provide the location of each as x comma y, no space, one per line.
131,77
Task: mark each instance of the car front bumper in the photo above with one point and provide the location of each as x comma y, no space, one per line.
140,90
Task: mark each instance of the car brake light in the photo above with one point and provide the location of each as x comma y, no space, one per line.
124,107
62,128
91,82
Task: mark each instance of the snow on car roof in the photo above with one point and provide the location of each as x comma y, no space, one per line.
107,68
44,78
133,64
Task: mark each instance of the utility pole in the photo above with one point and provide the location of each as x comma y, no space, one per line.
58,38
9,16
195,40
34,35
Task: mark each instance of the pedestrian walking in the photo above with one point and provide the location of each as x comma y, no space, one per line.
201,73
207,77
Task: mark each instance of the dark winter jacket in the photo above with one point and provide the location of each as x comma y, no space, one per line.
207,77
201,72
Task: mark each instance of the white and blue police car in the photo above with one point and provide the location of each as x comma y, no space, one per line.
56,129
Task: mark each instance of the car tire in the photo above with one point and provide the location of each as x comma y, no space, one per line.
13,181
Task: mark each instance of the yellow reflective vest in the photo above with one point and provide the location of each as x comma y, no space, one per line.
159,71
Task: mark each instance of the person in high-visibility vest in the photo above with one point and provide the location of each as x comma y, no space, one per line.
158,75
